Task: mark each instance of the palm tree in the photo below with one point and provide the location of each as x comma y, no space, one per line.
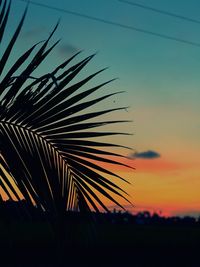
48,153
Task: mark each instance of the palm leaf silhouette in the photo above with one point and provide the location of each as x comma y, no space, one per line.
47,132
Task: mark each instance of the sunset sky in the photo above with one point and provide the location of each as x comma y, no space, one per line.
161,78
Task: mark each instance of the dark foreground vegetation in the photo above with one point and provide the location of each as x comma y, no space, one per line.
114,239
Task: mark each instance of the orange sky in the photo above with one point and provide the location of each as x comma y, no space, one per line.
171,187
159,185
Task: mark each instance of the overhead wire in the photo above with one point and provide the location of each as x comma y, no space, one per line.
161,11
124,26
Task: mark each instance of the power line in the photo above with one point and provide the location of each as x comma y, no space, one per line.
124,26
160,11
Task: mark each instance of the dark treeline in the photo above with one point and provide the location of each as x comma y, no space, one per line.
97,239
19,210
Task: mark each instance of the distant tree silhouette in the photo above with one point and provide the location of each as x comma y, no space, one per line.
45,123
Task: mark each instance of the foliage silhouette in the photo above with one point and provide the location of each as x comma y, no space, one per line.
45,153
124,239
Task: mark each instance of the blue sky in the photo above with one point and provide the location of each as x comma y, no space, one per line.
161,79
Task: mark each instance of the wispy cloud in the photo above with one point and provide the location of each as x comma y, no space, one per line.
67,49
149,154
35,33
64,49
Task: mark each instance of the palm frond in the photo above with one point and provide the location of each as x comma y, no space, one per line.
47,131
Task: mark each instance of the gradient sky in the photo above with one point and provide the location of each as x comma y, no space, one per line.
161,79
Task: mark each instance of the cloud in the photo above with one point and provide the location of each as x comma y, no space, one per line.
64,49
67,49
35,32
149,154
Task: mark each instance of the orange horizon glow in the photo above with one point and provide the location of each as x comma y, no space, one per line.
157,186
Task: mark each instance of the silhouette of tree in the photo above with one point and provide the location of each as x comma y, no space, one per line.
45,153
